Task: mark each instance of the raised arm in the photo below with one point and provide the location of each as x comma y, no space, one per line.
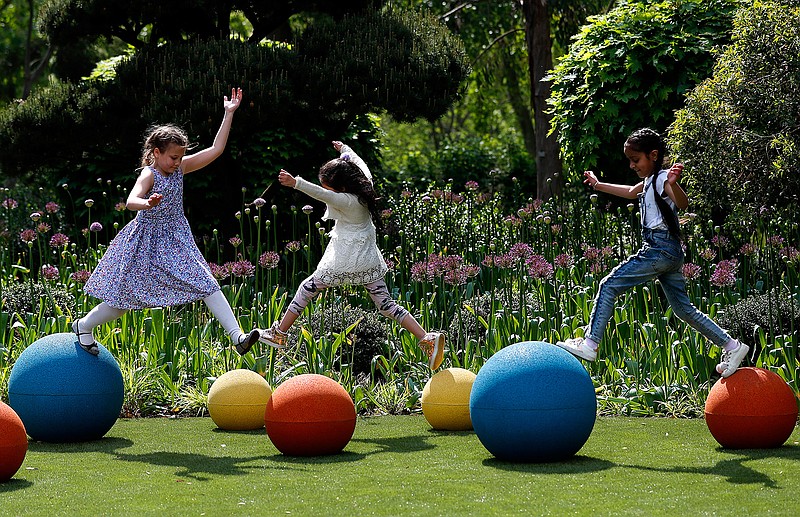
344,148
332,198
202,158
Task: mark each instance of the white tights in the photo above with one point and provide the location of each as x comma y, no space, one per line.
103,313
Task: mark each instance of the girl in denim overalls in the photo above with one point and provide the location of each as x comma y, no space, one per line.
661,255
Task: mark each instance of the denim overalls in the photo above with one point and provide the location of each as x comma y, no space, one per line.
661,257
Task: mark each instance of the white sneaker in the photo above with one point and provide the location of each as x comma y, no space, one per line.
577,346
732,359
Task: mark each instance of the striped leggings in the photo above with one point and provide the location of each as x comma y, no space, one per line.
311,287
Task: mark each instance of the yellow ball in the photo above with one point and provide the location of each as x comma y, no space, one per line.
238,399
445,399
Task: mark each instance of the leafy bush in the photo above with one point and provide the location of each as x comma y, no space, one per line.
30,297
629,69
775,311
740,130
370,336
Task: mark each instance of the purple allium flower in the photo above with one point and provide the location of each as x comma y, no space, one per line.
120,206
235,241
386,214
488,261
418,272
406,194
555,229
51,207
95,227
9,203
539,267
307,209
725,273
219,272
776,241
521,251
748,249
81,276
269,260
49,272
293,246
504,261
471,185
390,264
59,240
242,268
691,271
455,277
259,202
591,253
720,241
42,227
708,254
563,261
27,236
790,254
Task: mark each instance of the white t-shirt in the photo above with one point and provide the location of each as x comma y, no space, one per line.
651,215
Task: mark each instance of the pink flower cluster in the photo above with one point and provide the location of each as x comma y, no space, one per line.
691,271
49,272
269,260
81,276
724,274
59,240
450,267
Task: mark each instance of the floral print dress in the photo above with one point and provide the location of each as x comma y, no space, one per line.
153,261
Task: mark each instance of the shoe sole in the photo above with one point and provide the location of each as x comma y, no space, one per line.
437,358
576,352
271,343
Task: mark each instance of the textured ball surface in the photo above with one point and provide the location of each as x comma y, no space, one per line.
445,399
752,409
310,415
13,442
533,402
64,394
237,400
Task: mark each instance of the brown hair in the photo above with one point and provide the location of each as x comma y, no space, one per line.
344,176
159,138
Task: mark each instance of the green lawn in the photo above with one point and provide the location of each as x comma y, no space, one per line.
398,465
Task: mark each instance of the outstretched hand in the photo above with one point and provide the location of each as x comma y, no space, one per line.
590,178
674,173
231,104
286,179
154,200
337,145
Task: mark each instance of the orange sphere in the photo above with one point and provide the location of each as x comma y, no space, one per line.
752,409
13,442
310,415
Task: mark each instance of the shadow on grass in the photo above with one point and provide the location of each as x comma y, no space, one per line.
14,484
413,443
733,470
574,465
107,445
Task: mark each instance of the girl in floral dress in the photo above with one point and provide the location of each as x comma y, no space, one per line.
352,256
153,261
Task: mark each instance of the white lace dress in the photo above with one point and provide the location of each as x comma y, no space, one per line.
352,255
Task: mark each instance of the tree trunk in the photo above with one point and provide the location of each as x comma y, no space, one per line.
519,104
540,61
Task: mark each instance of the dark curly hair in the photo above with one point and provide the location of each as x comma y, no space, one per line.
345,176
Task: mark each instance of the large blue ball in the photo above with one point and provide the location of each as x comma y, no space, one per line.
64,394
533,402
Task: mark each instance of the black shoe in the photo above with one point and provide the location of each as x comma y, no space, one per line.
93,348
246,341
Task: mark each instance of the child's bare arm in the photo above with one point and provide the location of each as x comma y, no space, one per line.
136,199
202,158
626,191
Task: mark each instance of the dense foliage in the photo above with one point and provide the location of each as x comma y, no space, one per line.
629,69
299,96
739,132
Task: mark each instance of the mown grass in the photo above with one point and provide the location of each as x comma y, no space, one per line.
398,465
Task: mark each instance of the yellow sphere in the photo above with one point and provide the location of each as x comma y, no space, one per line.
445,399
238,399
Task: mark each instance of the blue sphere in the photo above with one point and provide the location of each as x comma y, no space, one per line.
533,402
64,394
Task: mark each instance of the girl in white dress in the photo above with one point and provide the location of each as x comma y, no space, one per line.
352,256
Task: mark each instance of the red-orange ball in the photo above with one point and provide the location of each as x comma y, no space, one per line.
752,409
13,442
310,415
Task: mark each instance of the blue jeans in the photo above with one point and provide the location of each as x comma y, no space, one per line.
661,256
